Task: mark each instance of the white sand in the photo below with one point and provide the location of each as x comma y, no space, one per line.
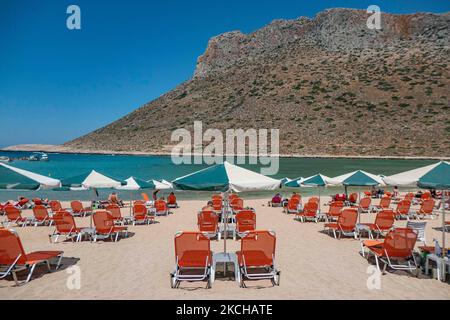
314,265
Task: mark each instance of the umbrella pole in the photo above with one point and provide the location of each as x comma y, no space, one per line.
359,205
225,226
320,211
131,201
443,225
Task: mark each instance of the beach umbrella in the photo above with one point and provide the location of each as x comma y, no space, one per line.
90,180
226,177
296,183
285,180
319,181
12,178
438,178
359,178
134,184
411,178
161,184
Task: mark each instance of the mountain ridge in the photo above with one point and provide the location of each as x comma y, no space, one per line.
331,85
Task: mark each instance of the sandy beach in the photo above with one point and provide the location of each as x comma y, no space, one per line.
313,264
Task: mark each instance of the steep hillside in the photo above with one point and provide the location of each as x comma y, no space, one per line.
331,85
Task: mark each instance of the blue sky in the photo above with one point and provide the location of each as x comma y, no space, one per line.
57,84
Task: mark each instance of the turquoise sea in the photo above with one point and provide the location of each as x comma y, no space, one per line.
161,167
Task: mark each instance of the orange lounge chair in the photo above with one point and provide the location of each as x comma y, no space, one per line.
398,245
145,197
208,223
352,199
55,206
78,210
237,204
161,208
41,216
409,196
172,202
14,259
140,215
292,207
105,227
37,202
385,203
314,199
115,211
426,210
245,221
257,257
364,205
384,222
65,226
402,210
335,210
346,224
193,258
309,212
217,204
14,215
22,204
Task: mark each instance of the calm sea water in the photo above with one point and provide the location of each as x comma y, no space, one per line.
161,167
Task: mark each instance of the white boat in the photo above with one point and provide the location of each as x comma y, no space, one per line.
5,159
38,156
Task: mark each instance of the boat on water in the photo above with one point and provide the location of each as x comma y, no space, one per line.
5,159
36,156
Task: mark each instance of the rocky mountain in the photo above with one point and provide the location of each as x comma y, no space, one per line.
330,84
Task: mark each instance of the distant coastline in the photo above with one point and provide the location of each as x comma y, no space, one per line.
65,150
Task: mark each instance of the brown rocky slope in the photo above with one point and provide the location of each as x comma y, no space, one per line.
331,85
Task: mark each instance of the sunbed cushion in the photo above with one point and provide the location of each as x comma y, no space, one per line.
254,258
39,256
194,258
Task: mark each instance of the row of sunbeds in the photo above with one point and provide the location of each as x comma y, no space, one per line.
255,259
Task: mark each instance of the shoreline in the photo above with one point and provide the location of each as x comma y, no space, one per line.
63,150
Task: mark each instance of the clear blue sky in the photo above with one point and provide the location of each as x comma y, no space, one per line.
56,84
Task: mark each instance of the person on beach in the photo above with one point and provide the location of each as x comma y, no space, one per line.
114,199
276,201
155,195
172,201
395,193
208,207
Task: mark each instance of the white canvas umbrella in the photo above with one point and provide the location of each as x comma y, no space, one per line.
12,178
162,184
410,178
319,181
90,180
226,177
